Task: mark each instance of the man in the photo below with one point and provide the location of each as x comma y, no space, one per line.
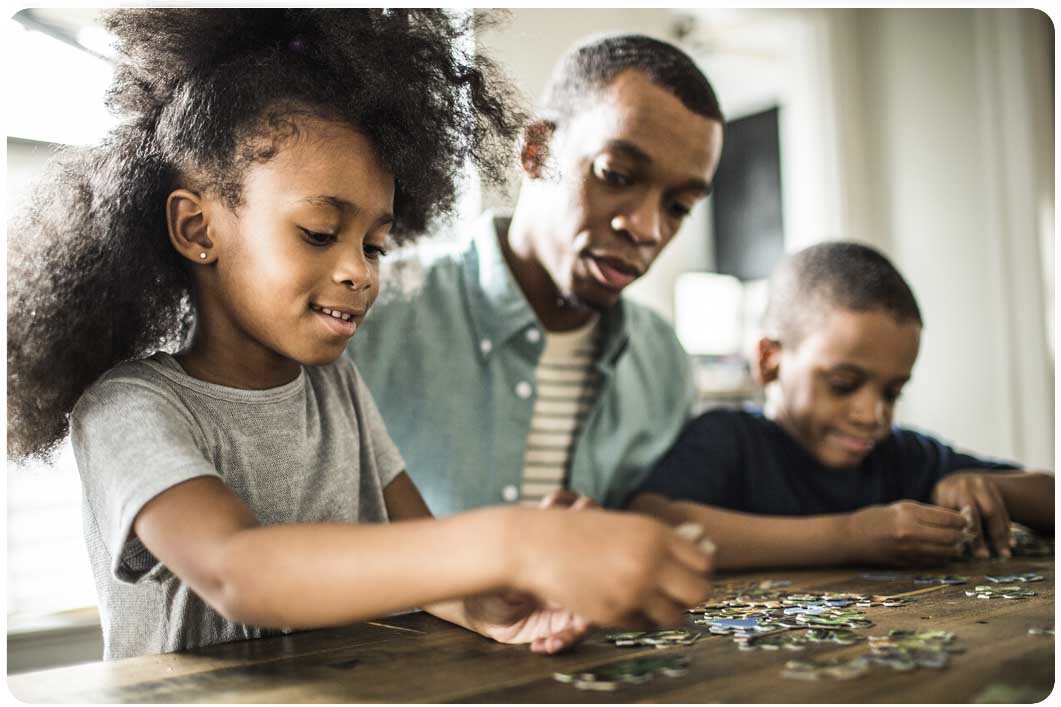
517,368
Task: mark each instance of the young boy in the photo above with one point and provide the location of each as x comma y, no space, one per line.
842,334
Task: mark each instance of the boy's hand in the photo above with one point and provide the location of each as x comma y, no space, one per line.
980,498
614,569
906,533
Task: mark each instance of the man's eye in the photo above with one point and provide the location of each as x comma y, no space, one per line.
679,210
317,238
613,178
892,395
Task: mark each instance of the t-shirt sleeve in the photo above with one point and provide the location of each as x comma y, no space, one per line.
925,460
132,441
703,466
384,454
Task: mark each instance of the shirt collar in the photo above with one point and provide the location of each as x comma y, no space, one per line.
497,306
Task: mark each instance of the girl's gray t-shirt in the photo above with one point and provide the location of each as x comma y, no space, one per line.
314,450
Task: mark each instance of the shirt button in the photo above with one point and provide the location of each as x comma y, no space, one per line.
523,389
486,346
510,493
534,336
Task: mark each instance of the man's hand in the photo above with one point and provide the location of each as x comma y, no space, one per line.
513,617
565,498
979,497
905,533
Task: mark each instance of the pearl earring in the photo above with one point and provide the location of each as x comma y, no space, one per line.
202,256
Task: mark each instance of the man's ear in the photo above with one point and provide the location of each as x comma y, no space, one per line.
187,222
768,360
534,147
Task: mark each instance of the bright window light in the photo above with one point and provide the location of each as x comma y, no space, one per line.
56,95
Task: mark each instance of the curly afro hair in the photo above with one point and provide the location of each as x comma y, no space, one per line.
202,93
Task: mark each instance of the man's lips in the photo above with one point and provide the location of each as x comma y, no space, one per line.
614,273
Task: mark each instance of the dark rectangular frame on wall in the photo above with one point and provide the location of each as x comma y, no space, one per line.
746,201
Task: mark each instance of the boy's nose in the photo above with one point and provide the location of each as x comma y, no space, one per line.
869,410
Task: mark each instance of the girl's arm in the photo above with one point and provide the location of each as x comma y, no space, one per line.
311,575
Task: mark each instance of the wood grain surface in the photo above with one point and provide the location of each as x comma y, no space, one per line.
417,658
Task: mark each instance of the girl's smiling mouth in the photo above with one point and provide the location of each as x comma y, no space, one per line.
339,320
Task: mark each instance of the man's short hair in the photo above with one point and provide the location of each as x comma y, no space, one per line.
835,274
593,64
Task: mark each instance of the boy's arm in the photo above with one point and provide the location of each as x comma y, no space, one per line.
994,498
897,534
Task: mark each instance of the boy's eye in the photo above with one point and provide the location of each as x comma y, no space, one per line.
892,395
317,238
843,387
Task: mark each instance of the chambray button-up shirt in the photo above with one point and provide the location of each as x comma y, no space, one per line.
452,366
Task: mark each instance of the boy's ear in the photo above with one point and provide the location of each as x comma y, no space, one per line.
534,147
768,360
186,221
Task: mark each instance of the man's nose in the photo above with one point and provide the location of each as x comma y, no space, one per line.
641,221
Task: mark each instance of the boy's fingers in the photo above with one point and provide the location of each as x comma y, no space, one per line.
940,516
995,516
662,611
583,503
935,535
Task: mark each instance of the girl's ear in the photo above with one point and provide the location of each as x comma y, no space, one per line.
186,221
768,360
534,147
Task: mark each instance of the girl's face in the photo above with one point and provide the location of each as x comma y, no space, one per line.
295,266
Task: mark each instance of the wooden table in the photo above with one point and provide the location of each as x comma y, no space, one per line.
417,658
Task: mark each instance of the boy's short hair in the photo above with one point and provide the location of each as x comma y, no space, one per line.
594,63
835,274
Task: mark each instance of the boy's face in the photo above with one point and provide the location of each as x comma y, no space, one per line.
621,176
839,384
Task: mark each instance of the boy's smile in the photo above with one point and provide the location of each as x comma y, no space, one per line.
837,386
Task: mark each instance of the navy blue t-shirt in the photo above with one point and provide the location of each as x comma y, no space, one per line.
742,461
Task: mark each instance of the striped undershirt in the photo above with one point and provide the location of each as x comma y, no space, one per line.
567,384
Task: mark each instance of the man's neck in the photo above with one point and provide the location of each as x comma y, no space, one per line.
555,312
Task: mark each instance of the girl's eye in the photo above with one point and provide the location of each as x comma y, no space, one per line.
374,252
316,238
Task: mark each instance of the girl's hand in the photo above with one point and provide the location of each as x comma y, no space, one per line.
611,568
565,498
512,617
980,499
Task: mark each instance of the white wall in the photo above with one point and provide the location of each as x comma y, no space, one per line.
951,126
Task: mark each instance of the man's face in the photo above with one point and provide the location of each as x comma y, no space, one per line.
621,177
839,384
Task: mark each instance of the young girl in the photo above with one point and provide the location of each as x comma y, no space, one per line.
241,485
